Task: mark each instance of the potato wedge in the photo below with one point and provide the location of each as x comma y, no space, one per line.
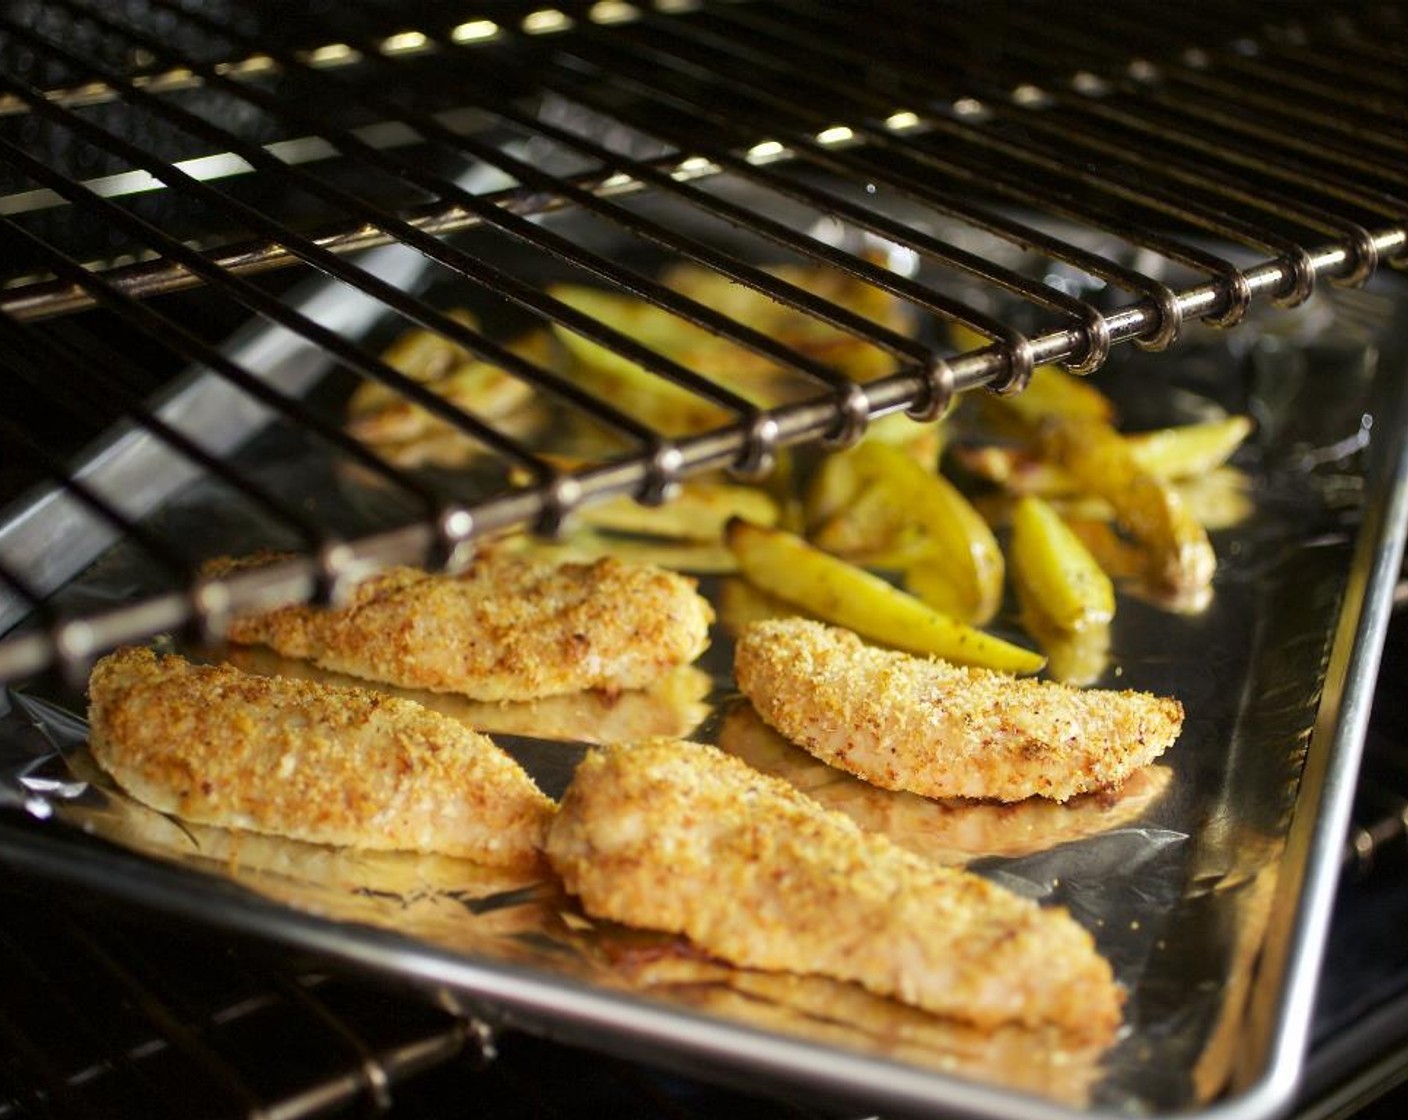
1180,557
870,530
674,410
854,357
827,587
587,544
1117,556
426,356
1055,571
929,577
1183,452
379,414
698,512
1219,499
832,489
1017,467
741,602
1075,657
754,376
1189,450
1050,392
896,509
1054,392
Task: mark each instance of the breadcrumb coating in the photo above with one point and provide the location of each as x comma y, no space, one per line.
332,765
509,627
682,837
924,725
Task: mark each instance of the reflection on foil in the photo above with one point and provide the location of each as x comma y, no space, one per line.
1044,1061
673,706
945,831
35,734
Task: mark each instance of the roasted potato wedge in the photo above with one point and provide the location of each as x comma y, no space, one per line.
671,408
890,510
587,544
426,356
868,530
378,414
1219,499
1179,555
831,589
742,602
858,359
698,512
1075,657
1054,571
1189,450
1184,452
755,377
1050,392
1054,392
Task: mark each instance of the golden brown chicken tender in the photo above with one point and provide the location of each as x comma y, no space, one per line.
941,730
510,627
681,837
315,762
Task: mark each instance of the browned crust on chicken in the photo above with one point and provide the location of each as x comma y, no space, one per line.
509,627
941,730
342,766
681,837
943,830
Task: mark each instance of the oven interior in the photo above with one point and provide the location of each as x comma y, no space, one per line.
216,216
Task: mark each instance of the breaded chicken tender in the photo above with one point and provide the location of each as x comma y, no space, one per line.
510,627
341,766
941,730
677,836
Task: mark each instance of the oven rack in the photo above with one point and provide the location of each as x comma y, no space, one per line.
104,1015
161,146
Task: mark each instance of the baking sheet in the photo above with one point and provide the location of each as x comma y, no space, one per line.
1177,875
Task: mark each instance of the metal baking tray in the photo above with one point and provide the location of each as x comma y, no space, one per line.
1208,883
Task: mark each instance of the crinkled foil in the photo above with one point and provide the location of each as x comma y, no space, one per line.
1172,873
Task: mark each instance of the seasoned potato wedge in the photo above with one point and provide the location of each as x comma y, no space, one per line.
1054,571
1219,499
872,530
587,544
852,356
1189,450
755,377
698,512
742,602
1182,452
890,509
426,356
671,408
1179,555
829,588
1050,392
379,414
1054,392
1075,657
